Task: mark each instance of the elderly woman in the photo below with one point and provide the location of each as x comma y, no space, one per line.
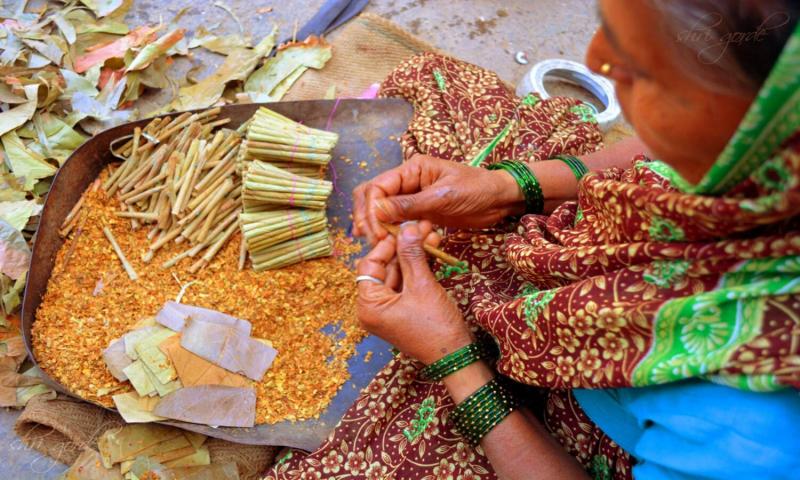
642,318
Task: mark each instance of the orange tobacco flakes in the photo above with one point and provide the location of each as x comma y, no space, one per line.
90,301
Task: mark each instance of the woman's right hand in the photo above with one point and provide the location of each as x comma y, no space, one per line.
428,188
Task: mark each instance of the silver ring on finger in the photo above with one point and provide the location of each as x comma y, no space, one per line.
369,278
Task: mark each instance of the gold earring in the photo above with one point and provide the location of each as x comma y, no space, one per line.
605,68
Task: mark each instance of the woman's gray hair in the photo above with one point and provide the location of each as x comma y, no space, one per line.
729,45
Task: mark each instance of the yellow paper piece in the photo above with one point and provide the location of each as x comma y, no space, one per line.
136,409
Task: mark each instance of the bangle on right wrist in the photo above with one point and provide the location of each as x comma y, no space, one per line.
527,182
453,362
575,164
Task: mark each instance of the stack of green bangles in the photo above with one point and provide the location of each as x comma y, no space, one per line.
459,359
530,186
483,410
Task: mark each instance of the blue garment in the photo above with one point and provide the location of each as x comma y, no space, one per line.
700,430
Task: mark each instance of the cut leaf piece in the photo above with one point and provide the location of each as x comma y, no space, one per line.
89,466
125,443
201,456
101,8
213,405
194,370
116,359
174,315
136,409
138,376
228,348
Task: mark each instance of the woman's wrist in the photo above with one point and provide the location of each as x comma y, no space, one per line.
468,380
508,195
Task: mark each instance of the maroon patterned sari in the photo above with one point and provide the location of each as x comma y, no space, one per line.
571,298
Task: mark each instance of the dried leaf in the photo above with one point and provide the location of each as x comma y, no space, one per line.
101,8
67,29
24,162
10,47
213,405
18,213
237,66
141,381
136,409
276,76
102,109
224,44
77,83
116,49
228,348
174,316
8,96
86,23
11,291
52,48
149,53
17,116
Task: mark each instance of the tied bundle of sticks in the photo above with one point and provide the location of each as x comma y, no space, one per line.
283,193
288,145
179,177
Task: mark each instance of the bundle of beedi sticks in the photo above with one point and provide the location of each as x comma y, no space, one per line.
179,176
283,194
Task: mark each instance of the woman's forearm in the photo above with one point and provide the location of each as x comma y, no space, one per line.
558,182
519,447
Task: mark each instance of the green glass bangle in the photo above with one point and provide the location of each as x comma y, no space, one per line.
530,186
459,359
483,410
575,164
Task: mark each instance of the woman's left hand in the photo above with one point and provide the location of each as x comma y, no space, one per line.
410,310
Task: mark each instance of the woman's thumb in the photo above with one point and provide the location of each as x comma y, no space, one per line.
400,208
411,256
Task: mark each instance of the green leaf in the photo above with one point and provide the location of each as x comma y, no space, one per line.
24,162
57,138
77,83
17,116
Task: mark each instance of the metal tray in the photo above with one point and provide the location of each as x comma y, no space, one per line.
364,127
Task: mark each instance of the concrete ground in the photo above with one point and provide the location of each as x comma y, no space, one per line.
485,32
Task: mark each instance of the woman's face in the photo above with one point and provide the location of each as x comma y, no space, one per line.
683,122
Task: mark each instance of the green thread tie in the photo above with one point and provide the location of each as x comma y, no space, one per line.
440,80
448,271
425,415
586,111
534,305
476,162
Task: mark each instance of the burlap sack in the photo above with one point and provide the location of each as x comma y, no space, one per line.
365,51
63,427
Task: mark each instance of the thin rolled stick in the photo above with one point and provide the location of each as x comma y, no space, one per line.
242,254
125,264
429,249
72,213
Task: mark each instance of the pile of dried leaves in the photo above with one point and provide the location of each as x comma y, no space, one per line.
69,70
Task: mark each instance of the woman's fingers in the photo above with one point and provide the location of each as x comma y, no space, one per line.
393,278
359,210
412,258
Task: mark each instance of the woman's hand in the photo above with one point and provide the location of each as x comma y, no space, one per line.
410,310
427,188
